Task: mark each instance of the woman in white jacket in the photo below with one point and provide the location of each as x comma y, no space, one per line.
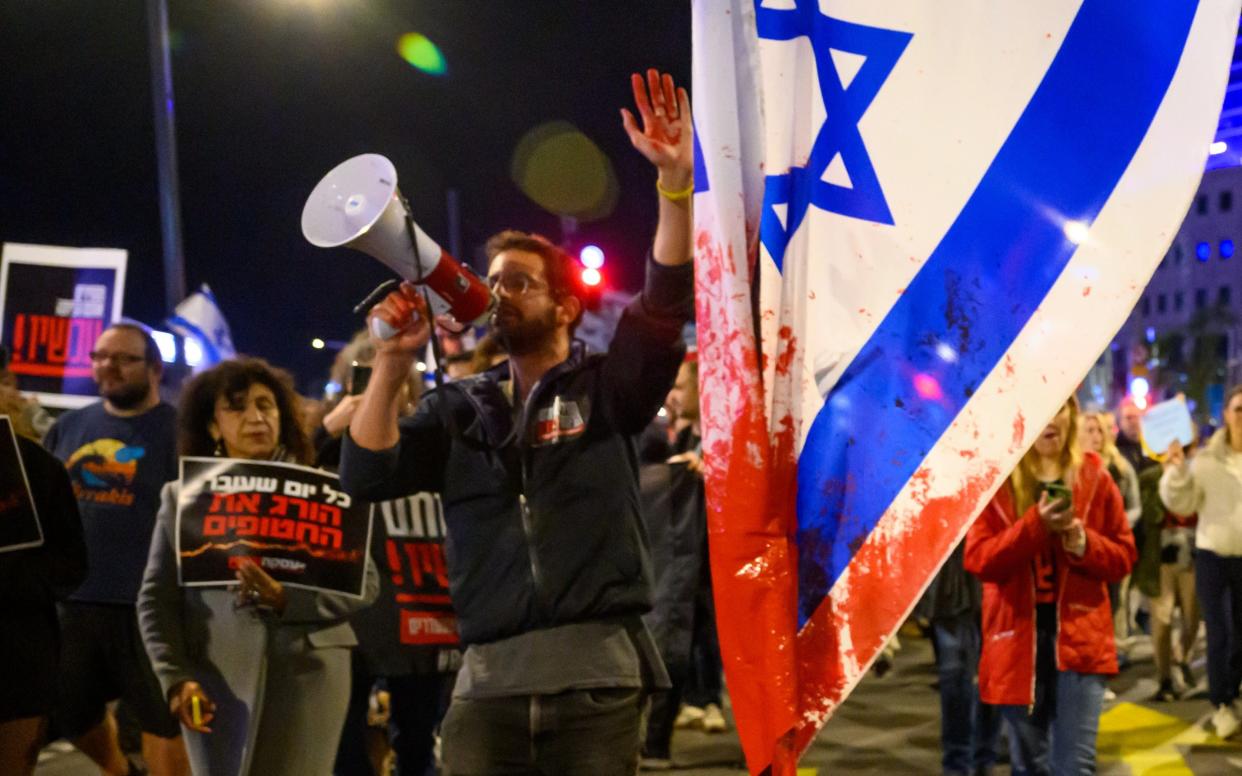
1211,485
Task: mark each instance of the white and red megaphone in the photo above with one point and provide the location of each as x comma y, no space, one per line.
358,205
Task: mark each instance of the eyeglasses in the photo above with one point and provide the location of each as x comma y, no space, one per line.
515,283
120,359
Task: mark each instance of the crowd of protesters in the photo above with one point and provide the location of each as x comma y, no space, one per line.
513,457
581,645
1090,542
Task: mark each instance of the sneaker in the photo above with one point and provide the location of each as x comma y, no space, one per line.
689,717
1166,693
1225,721
713,720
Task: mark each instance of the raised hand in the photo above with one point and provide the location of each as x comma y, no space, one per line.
666,138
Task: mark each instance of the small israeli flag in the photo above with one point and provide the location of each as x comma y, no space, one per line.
199,317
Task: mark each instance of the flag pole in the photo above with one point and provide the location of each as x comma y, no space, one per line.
166,153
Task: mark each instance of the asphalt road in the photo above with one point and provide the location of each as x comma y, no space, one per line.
891,725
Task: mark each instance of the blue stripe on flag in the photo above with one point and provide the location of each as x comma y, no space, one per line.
700,167
985,279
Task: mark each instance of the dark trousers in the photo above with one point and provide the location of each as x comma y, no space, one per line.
968,727
703,678
416,705
575,733
1218,581
665,705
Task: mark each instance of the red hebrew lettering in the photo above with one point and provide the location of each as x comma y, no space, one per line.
280,505
219,502
284,529
327,513
433,562
214,525
19,335
247,502
247,526
82,335
58,340
394,562
331,537
416,568
303,504
308,532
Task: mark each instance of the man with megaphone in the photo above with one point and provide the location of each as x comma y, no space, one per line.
535,463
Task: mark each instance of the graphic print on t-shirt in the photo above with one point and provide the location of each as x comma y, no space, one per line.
103,471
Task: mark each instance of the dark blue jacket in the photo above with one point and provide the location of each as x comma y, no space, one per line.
543,514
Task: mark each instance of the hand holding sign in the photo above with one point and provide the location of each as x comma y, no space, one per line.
258,588
1175,456
1166,423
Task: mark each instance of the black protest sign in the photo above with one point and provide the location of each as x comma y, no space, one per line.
294,522
19,520
54,304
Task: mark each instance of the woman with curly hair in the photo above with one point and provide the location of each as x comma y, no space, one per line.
266,666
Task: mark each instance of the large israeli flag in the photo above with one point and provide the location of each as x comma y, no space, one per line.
917,226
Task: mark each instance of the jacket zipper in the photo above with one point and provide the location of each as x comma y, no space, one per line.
1030,709
528,528
528,519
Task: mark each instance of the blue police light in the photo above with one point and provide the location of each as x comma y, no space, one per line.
1203,251
591,256
1226,249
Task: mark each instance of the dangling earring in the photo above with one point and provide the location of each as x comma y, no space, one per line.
220,452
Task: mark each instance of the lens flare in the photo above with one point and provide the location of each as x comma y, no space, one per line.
565,172
418,50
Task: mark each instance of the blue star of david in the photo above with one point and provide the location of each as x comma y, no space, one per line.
804,186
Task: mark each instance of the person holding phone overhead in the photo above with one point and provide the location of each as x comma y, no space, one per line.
1045,548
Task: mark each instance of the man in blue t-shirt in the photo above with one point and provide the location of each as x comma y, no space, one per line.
119,453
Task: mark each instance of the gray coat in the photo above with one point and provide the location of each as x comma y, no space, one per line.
280,684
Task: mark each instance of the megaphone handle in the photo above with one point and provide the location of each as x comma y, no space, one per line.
381,328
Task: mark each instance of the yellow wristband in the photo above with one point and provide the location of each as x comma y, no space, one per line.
675,196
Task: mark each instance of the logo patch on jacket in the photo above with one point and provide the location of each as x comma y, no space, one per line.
558,421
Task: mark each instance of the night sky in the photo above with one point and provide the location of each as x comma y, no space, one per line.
270,95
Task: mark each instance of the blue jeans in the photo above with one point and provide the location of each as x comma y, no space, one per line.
1061,741
1218,581
968,727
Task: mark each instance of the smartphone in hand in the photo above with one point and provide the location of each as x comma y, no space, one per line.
1058,492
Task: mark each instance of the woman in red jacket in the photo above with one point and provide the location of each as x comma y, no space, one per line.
1045,561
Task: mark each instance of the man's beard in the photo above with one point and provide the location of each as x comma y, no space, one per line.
523,336
128,396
